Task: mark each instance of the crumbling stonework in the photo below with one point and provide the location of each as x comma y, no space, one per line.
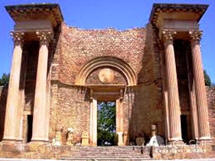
70,111
211,106
77,47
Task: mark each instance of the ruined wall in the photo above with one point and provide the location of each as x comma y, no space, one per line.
3,100
149,107
142,107
70,109
211,111
140,48
143,104
77,47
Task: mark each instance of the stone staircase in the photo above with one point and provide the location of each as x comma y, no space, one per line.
116,153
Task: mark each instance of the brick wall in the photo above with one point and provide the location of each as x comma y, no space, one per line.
138,47
211,107
76,47
70,109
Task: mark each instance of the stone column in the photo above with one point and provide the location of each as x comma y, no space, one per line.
201,98
120,139
40,120
13,110
172,86
119,122
194,115
192,94
93,122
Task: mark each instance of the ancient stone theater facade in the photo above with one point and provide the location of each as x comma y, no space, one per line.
59,73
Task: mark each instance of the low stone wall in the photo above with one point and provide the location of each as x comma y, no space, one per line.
3,100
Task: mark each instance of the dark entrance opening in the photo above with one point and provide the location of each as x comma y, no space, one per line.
106,124
29,127
184,128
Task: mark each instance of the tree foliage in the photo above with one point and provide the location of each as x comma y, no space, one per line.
106,123
4,80
207,79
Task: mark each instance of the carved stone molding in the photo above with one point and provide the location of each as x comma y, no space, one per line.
195,36
17,37
168,36
107,62
45,37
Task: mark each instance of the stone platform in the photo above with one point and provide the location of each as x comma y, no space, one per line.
65,152
36,151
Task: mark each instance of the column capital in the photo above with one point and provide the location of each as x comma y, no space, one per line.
17,37
195,36
168,36
45,37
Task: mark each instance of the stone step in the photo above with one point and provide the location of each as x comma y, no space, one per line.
109,152
107,159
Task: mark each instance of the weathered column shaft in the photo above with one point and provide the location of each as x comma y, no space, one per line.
167,131
192,94
201,98
119,116
173,96
40,121
119,122
94,126
13,111
91,124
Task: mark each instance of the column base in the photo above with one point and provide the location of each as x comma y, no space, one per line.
93,144
12,140
175,141
205,140
39,141
9,145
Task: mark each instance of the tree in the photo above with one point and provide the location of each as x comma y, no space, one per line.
4,80
207,79
106,123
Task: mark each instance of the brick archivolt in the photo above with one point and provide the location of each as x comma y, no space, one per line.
113,62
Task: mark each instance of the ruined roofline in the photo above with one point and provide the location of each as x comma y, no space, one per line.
21,11
105,29
168,7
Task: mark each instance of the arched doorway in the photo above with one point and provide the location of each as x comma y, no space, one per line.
107,78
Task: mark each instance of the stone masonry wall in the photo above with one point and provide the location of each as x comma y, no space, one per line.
70,109
77,47
137,47
147,105
142,107
211,111
3,100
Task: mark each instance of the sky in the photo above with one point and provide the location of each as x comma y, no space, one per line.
100,14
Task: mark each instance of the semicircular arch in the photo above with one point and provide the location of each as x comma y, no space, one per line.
113,62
